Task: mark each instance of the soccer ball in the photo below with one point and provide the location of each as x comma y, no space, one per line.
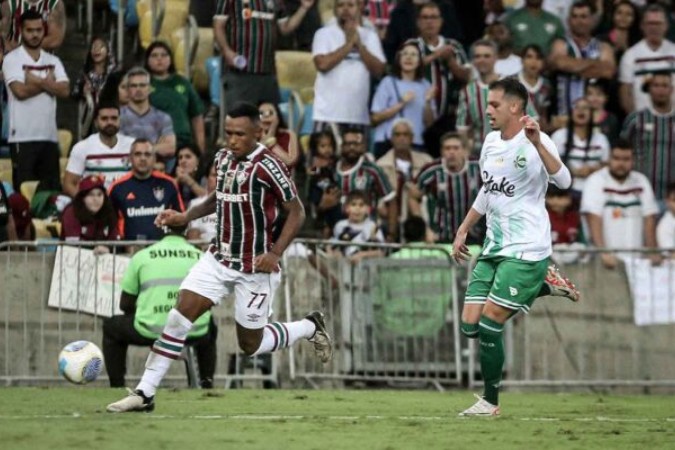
80,362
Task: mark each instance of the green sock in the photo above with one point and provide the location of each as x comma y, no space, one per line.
469,330
491,357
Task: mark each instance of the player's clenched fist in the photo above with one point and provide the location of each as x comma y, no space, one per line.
170,218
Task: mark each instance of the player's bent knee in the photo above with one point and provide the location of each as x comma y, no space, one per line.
192,305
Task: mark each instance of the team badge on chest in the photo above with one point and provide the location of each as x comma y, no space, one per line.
158,192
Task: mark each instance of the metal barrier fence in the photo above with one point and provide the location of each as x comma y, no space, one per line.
50,297
619,335
394,319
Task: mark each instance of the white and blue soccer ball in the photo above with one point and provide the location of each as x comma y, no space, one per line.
80,362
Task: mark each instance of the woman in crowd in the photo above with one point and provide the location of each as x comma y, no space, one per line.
98,66
276,135
187,173
582,148
175,95
404,94
90,216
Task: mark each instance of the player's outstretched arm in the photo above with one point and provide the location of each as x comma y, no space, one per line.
171,218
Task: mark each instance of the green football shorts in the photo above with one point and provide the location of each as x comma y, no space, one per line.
508,282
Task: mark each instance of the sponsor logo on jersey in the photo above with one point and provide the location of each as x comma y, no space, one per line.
143,211
278,175
131,196
504,186
232,198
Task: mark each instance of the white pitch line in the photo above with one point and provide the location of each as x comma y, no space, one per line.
256,417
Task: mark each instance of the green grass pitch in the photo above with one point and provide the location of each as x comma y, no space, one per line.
74,418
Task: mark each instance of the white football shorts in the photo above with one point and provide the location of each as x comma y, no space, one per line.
253,292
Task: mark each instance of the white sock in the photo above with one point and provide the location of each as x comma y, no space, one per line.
277,335
166,349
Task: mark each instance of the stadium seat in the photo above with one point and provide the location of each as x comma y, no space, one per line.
295,70
326,11
6,170
204,50
172,17
28,189
65,141
307,120
292,108
146,23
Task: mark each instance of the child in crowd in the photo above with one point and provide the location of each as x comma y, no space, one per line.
604,121
665,231
357,228
566,232
324,195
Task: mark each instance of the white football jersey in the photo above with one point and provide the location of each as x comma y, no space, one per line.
512,197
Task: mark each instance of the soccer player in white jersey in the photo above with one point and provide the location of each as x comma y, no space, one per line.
517,161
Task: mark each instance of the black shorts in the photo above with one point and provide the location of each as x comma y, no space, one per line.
36,160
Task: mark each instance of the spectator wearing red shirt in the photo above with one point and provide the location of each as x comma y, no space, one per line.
566,232
90,216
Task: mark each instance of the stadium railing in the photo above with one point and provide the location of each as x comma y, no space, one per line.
53,293
395,321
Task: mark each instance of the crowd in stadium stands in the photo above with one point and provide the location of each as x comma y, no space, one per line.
397,114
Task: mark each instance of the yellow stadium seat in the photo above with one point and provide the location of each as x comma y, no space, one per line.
65,141
173,17
6,170
28,189
295,70
304,143
63,162
307,94
145,29
200,79
178,48
326,10
46,229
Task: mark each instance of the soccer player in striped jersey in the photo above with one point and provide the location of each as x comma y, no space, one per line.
517,161
450,184
243,260
652,132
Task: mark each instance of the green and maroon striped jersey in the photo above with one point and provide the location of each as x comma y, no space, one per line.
365,176
439,75
653,137
18,7
251,31
248,195
449,195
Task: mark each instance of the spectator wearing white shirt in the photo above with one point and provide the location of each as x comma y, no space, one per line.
652,54
619,206
105,153
34,79
508,63
346,55
665,230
